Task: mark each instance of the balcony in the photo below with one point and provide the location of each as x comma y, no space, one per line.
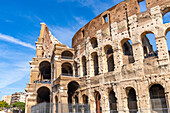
46,81
67,58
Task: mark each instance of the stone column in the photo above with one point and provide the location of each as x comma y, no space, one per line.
57,66
163,55
118,59
100,51
105,101
138,53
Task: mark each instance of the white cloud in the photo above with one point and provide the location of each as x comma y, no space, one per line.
81,21
15,41
65,34
14,73
97,6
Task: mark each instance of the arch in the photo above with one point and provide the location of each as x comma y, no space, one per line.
127,51
98,103
43,95
94,42
84,65
67,69
132,101
113,102
149,44
109,59
157,97
67,55
45,70
85,99
167,34
72,87
75,69
95,63
165,15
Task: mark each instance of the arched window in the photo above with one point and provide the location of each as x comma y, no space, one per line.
132,101
149,45
45,70
75,69
166,15
94,43
127,51
84,66
168,39
113,102
67,69
109,57
95,63
66,55
98,104
157,96
43,95
85,99
72,87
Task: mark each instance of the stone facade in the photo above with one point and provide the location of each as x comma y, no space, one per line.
103,68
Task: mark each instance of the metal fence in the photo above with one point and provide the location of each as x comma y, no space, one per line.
60,108
79,108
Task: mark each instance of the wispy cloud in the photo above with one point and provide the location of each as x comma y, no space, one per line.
15,41
65,34
16,72
81,21
97,6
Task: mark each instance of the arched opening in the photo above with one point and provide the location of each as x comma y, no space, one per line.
157,96
45,71
127,51
109,57
95,63
165,15
67,55
113,102
67,69
84,66
94,43
43,95
56,99
149,45
98,106
132,101
72,87
85,99
168,39
75,69
76,99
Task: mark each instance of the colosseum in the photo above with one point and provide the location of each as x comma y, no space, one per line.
111,66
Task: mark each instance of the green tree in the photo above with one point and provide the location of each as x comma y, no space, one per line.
3,104
19,105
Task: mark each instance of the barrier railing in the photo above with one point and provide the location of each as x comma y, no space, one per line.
85,108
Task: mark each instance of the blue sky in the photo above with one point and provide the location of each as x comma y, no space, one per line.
20,25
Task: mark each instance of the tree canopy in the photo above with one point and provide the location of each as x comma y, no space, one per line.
19,105
3,104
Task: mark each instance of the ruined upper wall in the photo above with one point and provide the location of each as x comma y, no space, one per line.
118,13
46,42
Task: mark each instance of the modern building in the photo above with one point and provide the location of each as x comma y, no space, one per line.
18,97
111,66
7,99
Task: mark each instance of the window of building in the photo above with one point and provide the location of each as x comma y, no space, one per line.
105,18
83,33
142,5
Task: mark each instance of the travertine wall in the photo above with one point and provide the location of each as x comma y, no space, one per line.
125,22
